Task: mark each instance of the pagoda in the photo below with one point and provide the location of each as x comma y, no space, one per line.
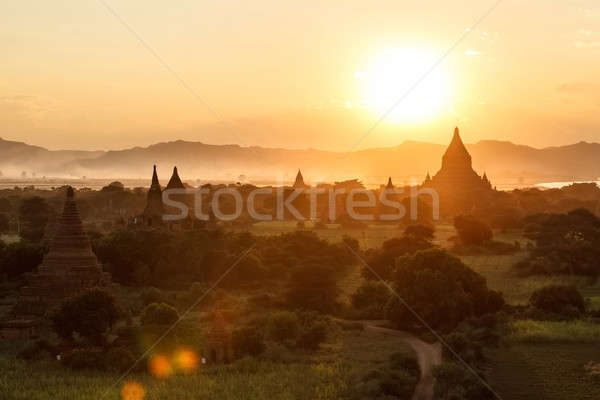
299,182
457,184
154,211
69,267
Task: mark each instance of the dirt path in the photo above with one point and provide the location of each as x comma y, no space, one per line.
428,356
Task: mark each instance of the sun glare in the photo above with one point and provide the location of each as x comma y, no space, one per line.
388,78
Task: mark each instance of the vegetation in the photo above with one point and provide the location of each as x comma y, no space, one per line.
159,314
440,289
472,231
90,314
559,299
564,244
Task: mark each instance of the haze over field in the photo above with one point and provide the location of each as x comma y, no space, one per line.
506,163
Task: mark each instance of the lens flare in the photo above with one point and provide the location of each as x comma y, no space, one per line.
186,360
160,367
132,391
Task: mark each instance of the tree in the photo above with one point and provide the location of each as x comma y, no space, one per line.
313,287
4,223
20,257
33,215
441,289
558,299
382,260
90,314
283,325
372,295
472,231
419,232
159,314
247,341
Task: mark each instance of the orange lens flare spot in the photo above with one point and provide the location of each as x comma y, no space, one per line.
186,360
132,391
160,367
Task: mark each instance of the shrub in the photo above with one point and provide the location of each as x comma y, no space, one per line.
454,381
90,314
159,314
371,294
312,336
560,299
248,341
406,363
283,325
86,358
313,287
119,359
37,350
471,230
152,295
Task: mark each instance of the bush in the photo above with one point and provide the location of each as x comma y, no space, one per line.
86,358
90,314
248,341
119,359
373,295
406,363
454,381
152,295
472,231
159,314
37,350
312,336
313,287
283,325
559,299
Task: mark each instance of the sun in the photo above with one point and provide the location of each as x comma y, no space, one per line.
389,77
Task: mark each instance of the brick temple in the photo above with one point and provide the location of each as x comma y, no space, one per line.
458,185
69,267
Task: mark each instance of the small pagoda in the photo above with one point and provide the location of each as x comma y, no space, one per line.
69,267
218,348
299,182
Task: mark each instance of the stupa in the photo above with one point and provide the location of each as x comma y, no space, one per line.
299,182
154,211
457,184
69,267
218,347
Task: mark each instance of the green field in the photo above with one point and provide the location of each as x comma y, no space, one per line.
327,374
545,371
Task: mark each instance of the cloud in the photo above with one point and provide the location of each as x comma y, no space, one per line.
473,53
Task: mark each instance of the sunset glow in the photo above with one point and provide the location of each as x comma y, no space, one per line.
399,79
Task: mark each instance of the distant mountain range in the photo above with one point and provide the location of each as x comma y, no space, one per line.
503,161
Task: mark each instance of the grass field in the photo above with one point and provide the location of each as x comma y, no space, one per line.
327,374
578,331
545,371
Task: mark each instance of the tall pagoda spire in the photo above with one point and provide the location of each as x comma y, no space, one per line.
175,181
456,154
299,183
154,205
389,185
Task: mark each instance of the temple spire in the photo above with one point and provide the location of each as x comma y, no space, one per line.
389,185
175,181
299,183
154,177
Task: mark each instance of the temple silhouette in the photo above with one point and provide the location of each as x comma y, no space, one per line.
459,187
69,267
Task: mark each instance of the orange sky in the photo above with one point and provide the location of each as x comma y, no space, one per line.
285,75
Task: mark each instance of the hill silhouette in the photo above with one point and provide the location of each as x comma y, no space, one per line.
501,160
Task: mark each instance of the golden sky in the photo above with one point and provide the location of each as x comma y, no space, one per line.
308,74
